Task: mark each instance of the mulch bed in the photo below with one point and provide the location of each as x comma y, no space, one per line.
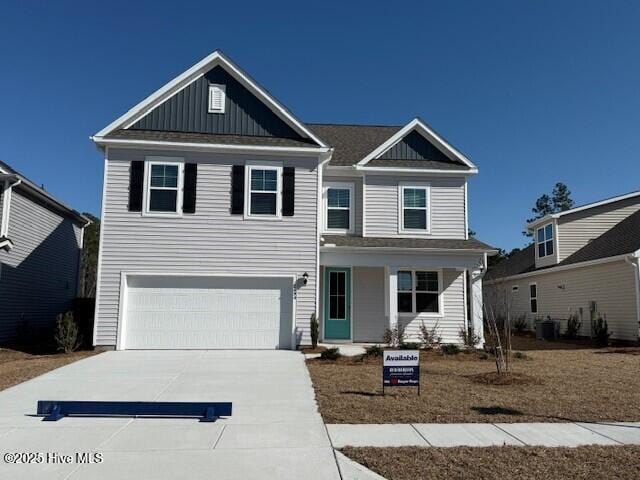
523,463
17,366
575,384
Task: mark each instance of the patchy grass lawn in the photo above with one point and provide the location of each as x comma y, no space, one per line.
17,367
524,463
574,384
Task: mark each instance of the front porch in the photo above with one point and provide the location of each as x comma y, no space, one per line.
365,291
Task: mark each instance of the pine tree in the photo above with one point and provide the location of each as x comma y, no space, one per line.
561,198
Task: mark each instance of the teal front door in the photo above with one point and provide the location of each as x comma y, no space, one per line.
337,303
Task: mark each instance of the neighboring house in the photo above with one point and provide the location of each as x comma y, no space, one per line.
582,260
227,223
40,252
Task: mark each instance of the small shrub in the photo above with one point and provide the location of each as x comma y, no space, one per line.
469,339
394,337
520,323
483,356
450,349
66,334
373,351
330,354
600,330
520,355
314,328
429,336
410,345
573,326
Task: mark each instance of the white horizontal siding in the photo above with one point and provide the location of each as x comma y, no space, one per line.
447,206
578,229
453,306
38,277
211,241
610,285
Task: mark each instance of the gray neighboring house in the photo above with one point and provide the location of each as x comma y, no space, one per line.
582,259
40,254
227,222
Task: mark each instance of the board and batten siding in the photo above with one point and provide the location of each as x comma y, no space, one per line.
453,312
187,111
578,229
39,276
357,201
211,241
610,285
382,206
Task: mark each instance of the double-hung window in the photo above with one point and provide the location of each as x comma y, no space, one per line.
544,237
164,185
419,292
264,191
533,297
414,208
339,207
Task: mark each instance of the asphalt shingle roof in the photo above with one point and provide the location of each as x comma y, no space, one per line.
621,239
409,243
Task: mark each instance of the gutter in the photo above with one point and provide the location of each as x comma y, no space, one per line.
463,251
634,260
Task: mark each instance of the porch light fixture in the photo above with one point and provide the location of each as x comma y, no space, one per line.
305,278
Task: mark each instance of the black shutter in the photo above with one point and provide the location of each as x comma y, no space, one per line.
136,184
288,191
190,180
237,190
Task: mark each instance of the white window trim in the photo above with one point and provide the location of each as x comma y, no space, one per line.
5,192
146,197
533,298
419,185
250,165
223,106
413,312
553,239
325,196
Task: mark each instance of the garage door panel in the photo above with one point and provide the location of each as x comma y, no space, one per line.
185,313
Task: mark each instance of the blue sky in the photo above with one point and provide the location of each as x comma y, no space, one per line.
533,92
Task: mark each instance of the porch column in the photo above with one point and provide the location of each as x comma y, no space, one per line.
476,304
391,295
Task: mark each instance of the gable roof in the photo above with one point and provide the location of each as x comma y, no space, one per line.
8,172
417,125
621,239
352,143
170,89
581,208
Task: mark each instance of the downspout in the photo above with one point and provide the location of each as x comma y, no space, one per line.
634,261
6,206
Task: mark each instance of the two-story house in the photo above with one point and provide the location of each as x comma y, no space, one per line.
582,261
227,222
40,254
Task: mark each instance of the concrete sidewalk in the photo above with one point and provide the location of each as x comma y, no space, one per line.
484,434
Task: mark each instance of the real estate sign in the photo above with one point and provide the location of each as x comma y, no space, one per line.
401,368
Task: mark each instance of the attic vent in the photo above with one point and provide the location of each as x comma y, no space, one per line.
217,98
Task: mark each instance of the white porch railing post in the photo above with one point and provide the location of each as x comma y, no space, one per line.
477,304
392,292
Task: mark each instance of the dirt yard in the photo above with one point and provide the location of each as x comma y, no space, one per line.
16,366
557,385
524,463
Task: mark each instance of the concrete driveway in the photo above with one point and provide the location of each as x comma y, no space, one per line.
275,431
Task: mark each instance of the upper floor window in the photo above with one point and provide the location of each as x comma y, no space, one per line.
264,193
419,291
339,207
217,98
414,208
164,183
544,237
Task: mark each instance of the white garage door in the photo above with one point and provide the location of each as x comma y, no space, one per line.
207,313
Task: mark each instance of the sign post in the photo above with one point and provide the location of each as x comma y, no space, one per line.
401,368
